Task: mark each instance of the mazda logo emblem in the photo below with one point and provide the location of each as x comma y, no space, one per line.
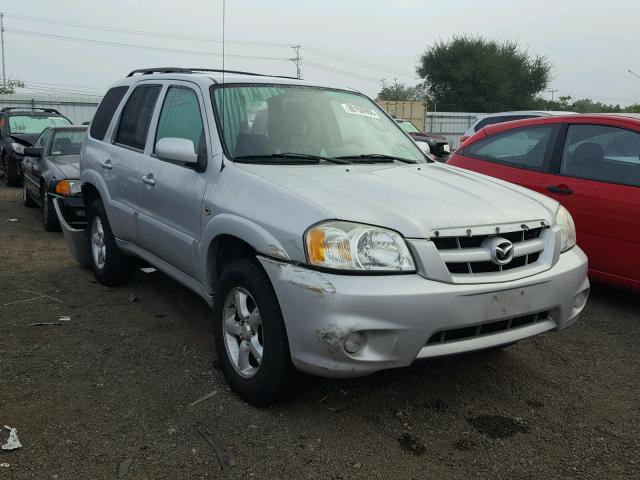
500,249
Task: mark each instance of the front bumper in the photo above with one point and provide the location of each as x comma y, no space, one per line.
72,209
399,314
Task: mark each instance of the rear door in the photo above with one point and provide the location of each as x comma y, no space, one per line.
126,162
596,175
519,155
172,195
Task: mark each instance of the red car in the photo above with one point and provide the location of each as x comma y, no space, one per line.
590,164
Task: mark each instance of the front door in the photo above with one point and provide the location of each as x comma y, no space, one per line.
171,199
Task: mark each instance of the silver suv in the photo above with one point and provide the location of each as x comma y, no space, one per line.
317,230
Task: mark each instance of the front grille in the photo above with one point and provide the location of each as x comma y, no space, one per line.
464,255
464,333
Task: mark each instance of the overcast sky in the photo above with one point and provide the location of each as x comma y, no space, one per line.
349,42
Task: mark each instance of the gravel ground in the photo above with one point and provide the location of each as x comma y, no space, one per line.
109,393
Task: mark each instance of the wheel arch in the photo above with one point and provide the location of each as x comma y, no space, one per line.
229,237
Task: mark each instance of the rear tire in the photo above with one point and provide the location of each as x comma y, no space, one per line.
26,197
11,174
110,265
268,380
50,220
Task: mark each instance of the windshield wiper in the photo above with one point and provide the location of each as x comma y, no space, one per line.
376,158
304,157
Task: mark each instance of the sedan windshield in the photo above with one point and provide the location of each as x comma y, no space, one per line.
34,124
67,142
272,123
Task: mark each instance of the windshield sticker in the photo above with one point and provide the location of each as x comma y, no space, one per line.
358,110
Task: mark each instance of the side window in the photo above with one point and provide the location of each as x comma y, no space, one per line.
521,147
602,153
42,140
180,117
136,116
105,111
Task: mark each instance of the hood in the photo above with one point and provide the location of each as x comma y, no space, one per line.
25,138
67,165
414,200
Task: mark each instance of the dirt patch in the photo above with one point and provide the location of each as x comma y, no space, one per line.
412,444
497,426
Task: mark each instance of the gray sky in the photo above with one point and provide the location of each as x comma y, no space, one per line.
343,42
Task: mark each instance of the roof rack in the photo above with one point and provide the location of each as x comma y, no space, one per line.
149,71
26,109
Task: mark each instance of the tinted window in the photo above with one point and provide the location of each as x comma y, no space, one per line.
180,118
506,118
106,109
136,116
599,152
521,147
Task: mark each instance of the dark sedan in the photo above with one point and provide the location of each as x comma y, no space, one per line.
51,169
438,145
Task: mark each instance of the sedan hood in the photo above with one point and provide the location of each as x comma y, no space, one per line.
25,138
414,200
67,165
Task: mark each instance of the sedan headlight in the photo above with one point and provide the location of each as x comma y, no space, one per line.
18,148
67,188
357,247
567,229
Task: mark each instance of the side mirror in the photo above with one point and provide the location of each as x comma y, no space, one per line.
33,152
176,150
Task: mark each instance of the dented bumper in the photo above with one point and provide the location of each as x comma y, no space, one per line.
407,317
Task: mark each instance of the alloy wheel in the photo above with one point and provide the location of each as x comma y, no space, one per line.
98,247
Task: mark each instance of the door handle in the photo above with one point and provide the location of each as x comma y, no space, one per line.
148,179
106,164
560,189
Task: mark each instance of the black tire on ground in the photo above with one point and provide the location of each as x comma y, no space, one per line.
117,267
26,197
272,382
11,174
49,218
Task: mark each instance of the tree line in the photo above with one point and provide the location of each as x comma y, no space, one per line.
473,74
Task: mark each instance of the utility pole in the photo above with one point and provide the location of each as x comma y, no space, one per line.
4,75
297,60
552,91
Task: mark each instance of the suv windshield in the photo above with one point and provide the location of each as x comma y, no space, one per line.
270,120
34,124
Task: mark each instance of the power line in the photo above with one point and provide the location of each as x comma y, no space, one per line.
134,46
354,61
342,72
84,87
132,31
58,90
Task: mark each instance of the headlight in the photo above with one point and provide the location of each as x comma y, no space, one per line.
354,246
18,148
567,229
68,187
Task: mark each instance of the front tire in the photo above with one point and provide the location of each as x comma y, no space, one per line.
50,220
250,336
110,265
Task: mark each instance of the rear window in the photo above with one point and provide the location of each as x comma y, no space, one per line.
34,124
521,147
136,116
106,109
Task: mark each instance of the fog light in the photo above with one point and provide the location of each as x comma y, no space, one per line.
355,342
581,299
